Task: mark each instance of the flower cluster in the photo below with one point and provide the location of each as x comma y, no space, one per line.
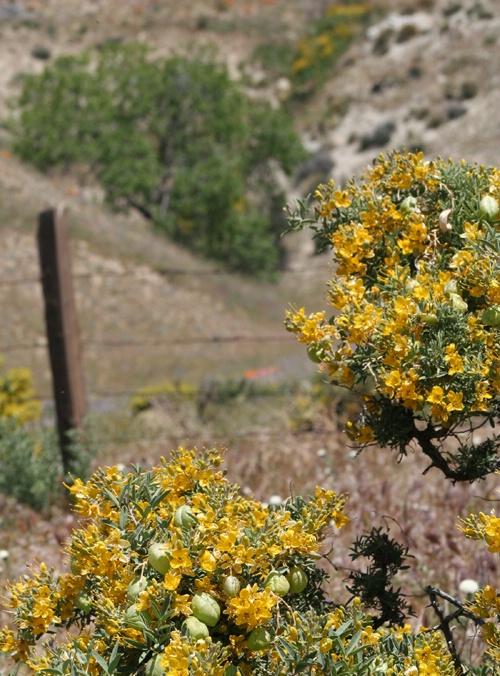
173,572
17,400
328,40
416,296
486,603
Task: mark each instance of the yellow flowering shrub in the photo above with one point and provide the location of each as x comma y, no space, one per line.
177,391
17,397
486,603
30,459
326,41
173,572
415,298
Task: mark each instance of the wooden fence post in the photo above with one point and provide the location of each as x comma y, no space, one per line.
62,329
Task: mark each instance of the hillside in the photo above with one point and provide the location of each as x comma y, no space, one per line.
429,68
140,298
422,75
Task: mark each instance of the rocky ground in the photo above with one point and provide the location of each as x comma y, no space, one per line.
424,74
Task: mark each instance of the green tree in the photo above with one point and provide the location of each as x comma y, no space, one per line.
175,138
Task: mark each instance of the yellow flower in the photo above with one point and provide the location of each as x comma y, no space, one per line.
252,607
436,396
325,645
171,580
208,562
492,533
181,561
294,539
454,401
181,604
392,383
369,637
455,363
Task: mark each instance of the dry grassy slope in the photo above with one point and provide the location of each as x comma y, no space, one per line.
125,298
445,50
143,305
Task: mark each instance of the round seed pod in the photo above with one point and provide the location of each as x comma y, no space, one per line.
231,586
259,639
195,628
277,583
297,579
159,557
205,608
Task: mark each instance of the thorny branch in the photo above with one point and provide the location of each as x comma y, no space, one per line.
445,620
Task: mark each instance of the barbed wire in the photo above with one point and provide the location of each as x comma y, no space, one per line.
91,345
20,346
20,280
214,340
189,341
213,438
161,271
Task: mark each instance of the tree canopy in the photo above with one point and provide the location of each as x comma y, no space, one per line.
175,138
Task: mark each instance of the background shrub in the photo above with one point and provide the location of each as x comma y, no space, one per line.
31,466
174,138
17,397
328,39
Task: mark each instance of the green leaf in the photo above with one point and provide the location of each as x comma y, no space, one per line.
101,661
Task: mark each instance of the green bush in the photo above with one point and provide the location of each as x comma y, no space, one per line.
31,466
174,138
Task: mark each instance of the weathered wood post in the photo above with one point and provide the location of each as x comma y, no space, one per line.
62,327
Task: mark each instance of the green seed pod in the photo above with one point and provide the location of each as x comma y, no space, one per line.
489,209
232,670
75,566
408,205
277,583
315,353
450,287
205,608
458,303
231,586
136,619
410,285
297,579
430,319
184,517
259,639
159,557
195,628
84,602
491,316
136,587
